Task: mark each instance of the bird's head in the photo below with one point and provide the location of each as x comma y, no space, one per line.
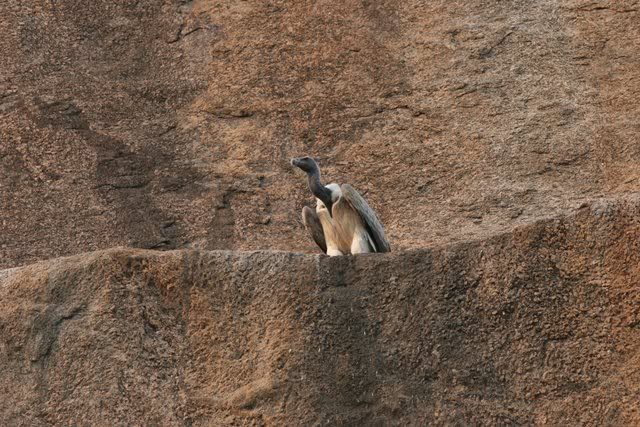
307,164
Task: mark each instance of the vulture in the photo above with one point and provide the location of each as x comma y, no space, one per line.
342,223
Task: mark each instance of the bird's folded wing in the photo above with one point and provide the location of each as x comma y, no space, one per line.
369,217
313,225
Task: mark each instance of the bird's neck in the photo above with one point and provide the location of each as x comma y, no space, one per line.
319,190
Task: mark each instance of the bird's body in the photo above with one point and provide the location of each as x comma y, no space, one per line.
344,231
342,223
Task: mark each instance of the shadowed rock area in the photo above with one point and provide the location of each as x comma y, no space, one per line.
170,124
537,326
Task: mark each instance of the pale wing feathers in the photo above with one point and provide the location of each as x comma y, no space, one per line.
314,227
345,222
372,243
369,217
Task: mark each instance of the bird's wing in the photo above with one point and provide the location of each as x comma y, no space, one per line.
313,225
368,216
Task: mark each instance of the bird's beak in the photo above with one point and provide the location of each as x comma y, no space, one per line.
295,162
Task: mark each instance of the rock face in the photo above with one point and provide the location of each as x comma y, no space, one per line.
537,326
170,124
469,126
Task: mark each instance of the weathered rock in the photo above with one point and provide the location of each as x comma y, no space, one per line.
537,326
169,124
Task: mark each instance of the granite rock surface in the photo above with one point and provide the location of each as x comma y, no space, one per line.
537,326
170,124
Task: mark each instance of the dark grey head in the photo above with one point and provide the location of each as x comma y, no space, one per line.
307,164
310,166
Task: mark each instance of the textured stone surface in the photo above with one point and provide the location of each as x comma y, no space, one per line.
481,131
537,326
169,124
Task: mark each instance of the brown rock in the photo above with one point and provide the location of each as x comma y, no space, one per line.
118,117
474,128
538,326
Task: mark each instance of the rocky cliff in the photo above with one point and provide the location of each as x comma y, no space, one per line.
170,124
537,326
498,141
